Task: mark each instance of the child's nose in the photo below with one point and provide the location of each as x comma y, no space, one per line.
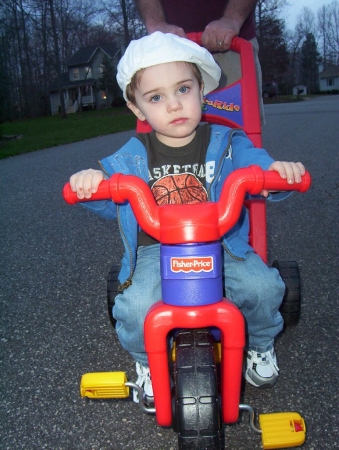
174,104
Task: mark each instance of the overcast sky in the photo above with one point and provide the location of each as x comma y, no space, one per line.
291,12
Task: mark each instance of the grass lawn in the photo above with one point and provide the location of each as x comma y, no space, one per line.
23,136
28,135
283,99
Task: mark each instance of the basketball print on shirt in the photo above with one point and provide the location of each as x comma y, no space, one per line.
179,189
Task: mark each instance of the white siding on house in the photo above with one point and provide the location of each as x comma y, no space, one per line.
328,84
329,78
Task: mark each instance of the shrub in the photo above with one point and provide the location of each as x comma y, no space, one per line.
117,102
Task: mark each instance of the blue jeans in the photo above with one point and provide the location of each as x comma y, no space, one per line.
256,289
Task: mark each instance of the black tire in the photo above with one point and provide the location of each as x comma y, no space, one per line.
112,291
197,409
290,308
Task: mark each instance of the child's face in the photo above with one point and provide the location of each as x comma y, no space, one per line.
169,98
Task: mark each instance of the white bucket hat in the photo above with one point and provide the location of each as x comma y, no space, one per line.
159,48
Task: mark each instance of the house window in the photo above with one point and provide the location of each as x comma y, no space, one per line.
88,72
330,82
76,74
101,68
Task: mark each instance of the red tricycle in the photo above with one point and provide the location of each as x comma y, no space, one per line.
197,356
189,397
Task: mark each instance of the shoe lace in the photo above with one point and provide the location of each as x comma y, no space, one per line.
268,358
143,374
144,381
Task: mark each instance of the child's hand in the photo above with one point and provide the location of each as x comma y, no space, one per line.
86,182
290,171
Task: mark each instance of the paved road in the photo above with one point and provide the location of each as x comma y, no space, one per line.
54,326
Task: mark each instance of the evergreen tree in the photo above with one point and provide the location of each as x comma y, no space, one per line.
309,64
107,82
273,52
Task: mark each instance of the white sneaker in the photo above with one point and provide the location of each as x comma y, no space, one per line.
261,369
144,381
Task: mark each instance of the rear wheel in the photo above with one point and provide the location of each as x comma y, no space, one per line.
290,308
112,291
197,408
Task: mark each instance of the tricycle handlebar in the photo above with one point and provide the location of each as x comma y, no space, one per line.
200,222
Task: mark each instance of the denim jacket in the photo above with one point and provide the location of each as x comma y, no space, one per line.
230,149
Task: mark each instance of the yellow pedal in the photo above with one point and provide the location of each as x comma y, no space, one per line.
282,430
104,385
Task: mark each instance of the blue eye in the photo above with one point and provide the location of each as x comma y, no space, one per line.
183,89
156,98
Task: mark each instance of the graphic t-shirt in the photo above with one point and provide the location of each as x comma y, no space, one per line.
177,175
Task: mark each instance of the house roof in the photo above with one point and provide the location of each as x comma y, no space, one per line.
330,71
85,54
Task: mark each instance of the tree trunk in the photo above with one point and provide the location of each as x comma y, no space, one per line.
125,17
57,60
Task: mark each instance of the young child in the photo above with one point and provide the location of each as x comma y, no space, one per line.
163,78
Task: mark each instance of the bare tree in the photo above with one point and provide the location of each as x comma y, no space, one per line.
268,8
323,32
17,52
74,18
306,22
125,19
334,30
328,26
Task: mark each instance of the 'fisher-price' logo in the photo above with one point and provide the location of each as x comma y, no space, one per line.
192,264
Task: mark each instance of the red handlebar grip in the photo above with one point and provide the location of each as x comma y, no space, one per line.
195,36
71,197
273,181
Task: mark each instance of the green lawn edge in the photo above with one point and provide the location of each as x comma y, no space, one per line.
29,135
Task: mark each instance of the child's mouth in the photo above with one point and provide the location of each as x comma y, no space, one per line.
179,121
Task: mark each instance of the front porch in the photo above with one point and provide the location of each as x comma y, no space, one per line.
76,93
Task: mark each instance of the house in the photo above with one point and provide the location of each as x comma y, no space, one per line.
329,78
80,83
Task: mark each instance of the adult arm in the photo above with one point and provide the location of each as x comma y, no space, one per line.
153,16
222,30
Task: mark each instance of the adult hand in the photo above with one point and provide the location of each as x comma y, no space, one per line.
218,35
165,27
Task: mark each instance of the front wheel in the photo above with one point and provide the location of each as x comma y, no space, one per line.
196,404
290,308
